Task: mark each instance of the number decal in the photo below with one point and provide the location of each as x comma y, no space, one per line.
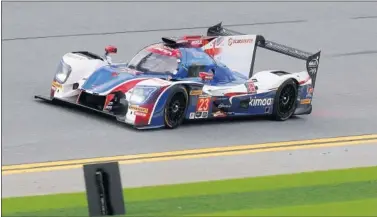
251,87
203,104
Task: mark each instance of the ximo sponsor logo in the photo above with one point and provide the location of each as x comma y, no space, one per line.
260,102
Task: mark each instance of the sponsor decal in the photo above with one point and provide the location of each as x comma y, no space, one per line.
232,41
251,88
309,91
213,51
220,114
192,115
138,109
206,75
164,50
260,102
312,71
56,85
222,105
140,114
196,43
313,63
196,92
305,101
199,115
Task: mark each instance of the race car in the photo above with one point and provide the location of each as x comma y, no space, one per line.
188,77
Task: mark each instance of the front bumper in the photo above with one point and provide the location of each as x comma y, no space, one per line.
71,102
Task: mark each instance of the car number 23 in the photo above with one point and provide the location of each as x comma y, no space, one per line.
203,104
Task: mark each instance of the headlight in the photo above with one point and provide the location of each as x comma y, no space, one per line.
62,72
141,94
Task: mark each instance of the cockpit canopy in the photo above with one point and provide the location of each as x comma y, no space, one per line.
157,59
180,62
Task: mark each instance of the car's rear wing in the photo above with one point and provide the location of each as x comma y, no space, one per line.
312,59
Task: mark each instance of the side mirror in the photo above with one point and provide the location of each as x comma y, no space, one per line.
206,76
111,49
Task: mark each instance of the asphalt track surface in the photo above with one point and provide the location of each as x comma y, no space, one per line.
36,35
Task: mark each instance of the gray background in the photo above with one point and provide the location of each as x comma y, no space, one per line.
344,101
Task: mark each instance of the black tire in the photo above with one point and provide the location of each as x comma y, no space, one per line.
285,102
176,107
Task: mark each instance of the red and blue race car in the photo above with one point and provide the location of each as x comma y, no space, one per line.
189,77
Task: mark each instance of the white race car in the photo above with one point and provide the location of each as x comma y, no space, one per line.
188,77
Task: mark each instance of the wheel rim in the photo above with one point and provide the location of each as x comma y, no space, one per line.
287,100
176,109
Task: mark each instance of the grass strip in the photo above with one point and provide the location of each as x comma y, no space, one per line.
217,196
365,207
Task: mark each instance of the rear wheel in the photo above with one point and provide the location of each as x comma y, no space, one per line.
175,108
285,101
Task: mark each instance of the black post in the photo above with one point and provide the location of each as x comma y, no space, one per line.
104,190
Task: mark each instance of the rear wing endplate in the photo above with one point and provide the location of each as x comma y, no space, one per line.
312,59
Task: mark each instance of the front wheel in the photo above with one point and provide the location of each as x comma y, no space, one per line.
285,101
175,108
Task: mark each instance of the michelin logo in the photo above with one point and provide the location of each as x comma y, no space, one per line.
260,102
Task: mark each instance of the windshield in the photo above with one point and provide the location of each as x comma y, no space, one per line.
153,62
